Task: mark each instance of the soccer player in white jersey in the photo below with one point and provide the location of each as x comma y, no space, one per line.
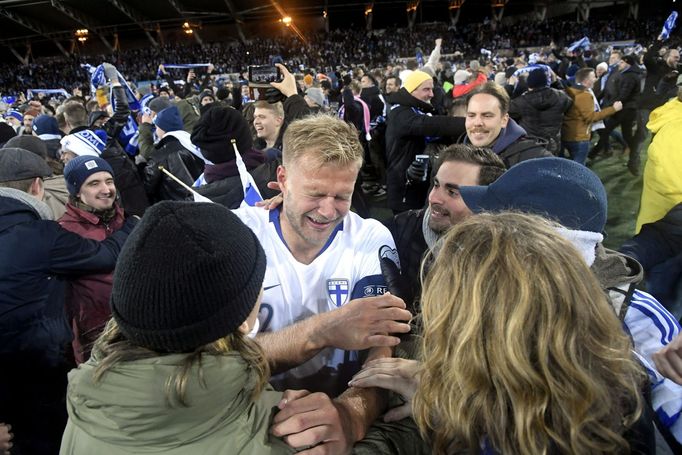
324,296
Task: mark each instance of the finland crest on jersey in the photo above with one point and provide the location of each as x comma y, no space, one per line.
346,268
338,291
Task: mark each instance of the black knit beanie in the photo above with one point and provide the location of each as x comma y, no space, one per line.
215,129
189,274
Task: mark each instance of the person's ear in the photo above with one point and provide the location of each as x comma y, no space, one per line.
36,189
244,328
505,120
281,176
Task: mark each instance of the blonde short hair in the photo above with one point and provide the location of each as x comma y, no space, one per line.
276,108
322,139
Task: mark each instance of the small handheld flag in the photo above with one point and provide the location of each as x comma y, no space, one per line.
197,197
669,25
251,193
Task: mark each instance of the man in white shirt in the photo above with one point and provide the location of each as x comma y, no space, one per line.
324,296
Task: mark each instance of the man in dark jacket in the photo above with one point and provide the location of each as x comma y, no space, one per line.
659,85
35,255
213,134
371,95
416,231
410,127
628,92
174,153
540,111
488,125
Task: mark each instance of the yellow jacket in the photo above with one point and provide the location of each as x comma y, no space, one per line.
663,172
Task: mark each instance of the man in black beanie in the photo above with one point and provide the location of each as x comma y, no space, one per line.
36,254
540,111
213,134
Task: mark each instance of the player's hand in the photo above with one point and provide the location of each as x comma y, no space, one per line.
312,420
618,106
273,202
669,360
397,375
162,69
439,41
210,68
365,323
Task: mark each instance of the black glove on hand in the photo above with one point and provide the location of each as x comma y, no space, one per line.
273,95
394,280
416,171
110,71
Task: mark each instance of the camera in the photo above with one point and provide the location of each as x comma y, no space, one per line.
264,74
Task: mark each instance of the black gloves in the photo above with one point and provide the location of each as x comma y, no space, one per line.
416,172
394,281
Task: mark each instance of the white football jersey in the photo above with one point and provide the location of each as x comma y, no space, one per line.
346,268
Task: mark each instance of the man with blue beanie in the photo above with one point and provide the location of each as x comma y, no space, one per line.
92,212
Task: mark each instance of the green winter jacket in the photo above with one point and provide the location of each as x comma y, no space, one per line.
127,411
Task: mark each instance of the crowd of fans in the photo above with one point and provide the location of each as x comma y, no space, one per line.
338,48
206,286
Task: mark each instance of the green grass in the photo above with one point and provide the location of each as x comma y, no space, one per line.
624,192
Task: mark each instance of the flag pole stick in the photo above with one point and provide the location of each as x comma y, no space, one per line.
180,182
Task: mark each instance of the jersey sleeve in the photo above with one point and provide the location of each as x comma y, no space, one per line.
375,244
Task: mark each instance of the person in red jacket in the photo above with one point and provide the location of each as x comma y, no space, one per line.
92,212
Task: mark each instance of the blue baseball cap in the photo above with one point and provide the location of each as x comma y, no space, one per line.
556,188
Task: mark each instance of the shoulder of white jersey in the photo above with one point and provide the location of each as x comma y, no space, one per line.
256,218
647,307
366,230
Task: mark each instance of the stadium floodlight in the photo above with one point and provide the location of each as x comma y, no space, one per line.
82,34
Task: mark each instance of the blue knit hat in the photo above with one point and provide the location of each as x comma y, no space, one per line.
80,168
45,124
169,119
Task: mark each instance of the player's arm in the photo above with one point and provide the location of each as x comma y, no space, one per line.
360,324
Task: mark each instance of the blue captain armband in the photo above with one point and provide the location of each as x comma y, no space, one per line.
369,286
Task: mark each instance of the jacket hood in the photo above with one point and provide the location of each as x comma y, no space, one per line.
129,408
403,98
634,69
618,274
368,92
669,113
18,207
508,136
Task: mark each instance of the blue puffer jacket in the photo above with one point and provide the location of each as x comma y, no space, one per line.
35,253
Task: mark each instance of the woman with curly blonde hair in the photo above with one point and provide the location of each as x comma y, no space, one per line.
522,353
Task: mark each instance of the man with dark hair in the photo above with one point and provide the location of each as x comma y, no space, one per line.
488,125
36,254
392,85
415,231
